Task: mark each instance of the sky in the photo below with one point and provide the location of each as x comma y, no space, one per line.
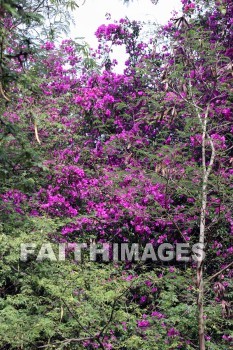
91,14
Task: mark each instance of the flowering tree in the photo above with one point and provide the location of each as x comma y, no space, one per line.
24,26
140,157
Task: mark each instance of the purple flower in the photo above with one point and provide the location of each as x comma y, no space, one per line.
227,338
143,299
157,314
143,324
172,332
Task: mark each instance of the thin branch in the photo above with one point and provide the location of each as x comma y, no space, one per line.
96,336
113,309
36,133
3,93
219,272
66,341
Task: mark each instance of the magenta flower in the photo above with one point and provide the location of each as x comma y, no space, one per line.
172,332
143,324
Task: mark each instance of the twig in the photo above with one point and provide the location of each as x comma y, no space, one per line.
36,133
3,93
66,341
219,272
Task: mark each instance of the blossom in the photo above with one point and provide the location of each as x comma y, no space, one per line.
172,332
189,7
48,45
143,324
227,338
157,314
143,299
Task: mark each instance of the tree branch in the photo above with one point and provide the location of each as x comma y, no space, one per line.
219,272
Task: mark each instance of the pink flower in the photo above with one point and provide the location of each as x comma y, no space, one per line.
143,324
172,332
143,299
227,338
129,278
189,7
157,315
48,46
148,283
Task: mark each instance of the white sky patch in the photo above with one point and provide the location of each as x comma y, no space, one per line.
91,15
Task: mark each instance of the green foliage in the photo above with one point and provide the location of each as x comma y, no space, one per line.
83,305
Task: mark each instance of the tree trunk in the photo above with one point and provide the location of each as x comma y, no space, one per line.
200,265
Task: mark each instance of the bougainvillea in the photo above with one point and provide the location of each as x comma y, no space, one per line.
121,158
